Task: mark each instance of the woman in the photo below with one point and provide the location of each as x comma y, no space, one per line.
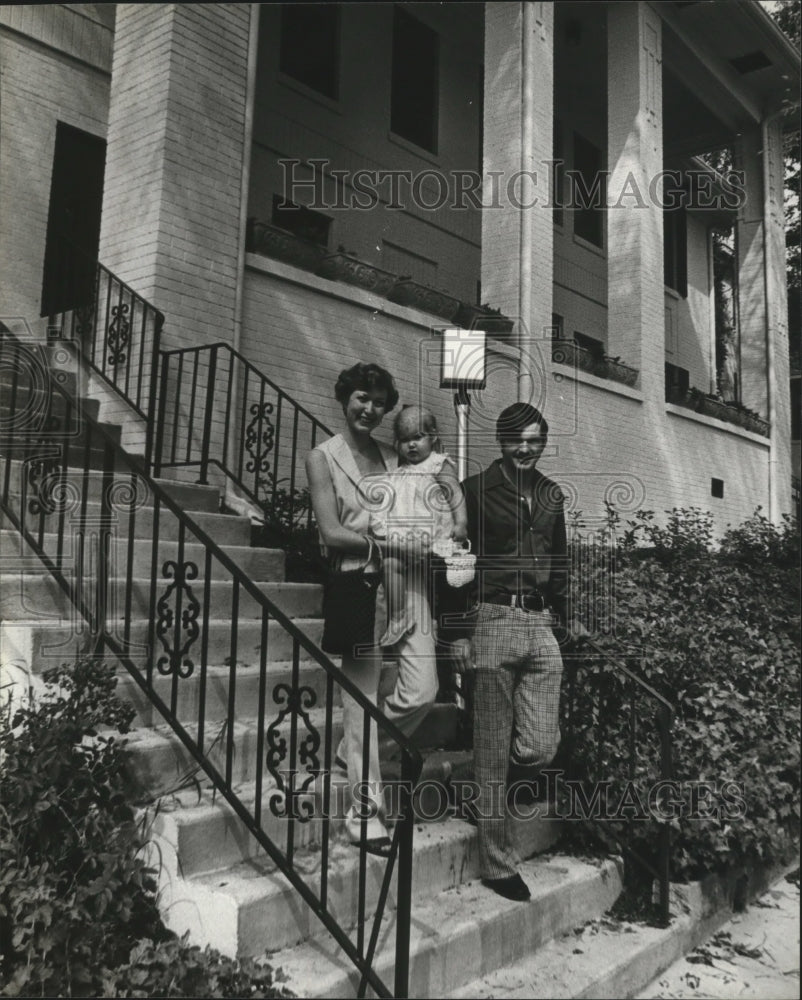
345,474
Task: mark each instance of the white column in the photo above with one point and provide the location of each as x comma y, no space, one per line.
779,386
176,145
635,298
517,225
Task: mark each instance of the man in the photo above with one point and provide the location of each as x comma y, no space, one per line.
516,526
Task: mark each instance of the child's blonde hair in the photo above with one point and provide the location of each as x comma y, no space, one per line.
425,420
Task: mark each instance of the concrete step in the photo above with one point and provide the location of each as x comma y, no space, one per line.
157,756
191,497
45,644
216,691
208,836
250,909
158,759
466,932
256,563
224,529
35,403
26,596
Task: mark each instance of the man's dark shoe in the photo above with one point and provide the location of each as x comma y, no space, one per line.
512,887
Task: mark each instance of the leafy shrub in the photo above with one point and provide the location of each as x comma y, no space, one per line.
76,899
717,634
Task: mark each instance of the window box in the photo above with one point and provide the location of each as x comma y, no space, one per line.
343,266
492,321
568,352
619,372
407,292
593,361
712,406
717,408
679,395
280,245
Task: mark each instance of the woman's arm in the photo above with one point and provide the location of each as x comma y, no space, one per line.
324,504
447,477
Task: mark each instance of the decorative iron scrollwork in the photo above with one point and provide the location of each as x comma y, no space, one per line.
118,334
43,467
176,658
284,801
83,320
259,438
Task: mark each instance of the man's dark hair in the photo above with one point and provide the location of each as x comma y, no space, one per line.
365,376
513,419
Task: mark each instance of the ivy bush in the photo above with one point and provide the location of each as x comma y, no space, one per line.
78,914
716,632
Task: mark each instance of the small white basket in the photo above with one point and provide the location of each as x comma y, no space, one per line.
460,566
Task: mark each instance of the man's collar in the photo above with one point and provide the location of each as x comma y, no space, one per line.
494,476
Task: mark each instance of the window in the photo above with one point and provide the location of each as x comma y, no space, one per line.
300,221
677,379
796,408
309,45
589,191
591,344
557,324
675,249
415,89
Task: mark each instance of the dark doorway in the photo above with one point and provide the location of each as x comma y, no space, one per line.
73,222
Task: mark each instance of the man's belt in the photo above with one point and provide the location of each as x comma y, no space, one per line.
529,601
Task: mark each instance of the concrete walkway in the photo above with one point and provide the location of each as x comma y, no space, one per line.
755,955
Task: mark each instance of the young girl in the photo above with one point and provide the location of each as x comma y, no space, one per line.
425,498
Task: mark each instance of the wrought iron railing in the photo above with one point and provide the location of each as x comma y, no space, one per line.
174,609
118,334
216,409
612,699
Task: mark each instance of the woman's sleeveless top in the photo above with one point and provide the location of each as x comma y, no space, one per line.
357,495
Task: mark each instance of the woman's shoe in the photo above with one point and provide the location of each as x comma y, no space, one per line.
380,846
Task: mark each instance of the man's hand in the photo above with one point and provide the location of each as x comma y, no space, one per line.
462,652
567,635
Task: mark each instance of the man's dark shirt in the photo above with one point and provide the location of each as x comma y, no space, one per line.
517,551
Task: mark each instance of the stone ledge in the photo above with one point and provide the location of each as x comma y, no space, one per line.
712,423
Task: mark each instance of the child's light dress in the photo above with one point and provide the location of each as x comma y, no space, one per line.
416,502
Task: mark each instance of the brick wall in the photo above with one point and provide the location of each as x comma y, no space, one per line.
40,87
301,331
174,168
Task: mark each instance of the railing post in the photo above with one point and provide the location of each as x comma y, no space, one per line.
151,430
665,719
207,417
164,379
104,583
404,898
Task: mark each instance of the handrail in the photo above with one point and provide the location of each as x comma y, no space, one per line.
664,721
52,478
260,440
118,335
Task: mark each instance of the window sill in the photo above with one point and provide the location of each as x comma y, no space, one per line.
712,423
343,292
313,95
587,245
560,372
420,151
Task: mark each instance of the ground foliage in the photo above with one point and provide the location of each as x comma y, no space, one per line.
715,631
78,913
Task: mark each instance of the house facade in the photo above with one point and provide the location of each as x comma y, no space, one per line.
607,175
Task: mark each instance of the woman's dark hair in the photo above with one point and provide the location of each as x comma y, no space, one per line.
362,377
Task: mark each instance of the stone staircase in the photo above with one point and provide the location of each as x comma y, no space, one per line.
215,880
